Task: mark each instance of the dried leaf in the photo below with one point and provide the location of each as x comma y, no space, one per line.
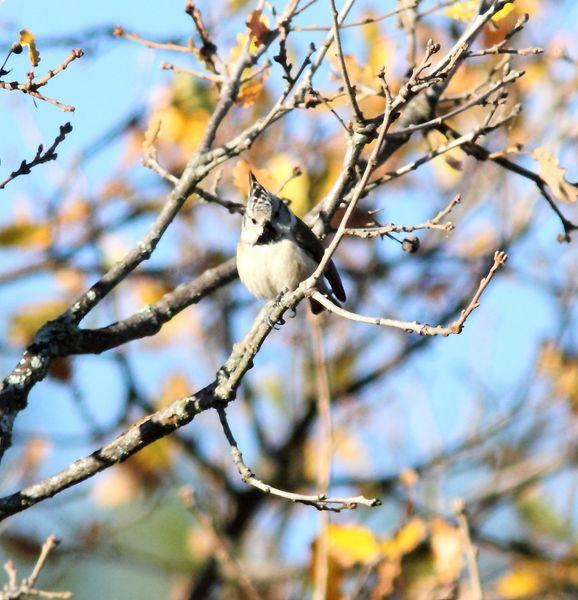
61,368
27,39
555,176
258,27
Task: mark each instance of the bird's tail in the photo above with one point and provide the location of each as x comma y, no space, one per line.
317,308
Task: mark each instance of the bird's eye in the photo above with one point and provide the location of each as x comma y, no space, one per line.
254,221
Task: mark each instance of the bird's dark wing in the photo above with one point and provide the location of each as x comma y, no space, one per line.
308,241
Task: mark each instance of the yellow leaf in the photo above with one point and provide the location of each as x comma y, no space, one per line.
278,173
348,447
241,177
522,582
555,176
446,544
117,486
154,459
562,370
25,234
251,89
149,290
74,211
406,539
27,39
25,323
70,280
479,243
282,167
236,5
176,386
466,10
409,477
352,544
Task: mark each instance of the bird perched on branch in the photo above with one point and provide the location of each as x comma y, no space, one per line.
277,250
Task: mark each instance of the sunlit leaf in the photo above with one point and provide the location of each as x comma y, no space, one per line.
562,369
150,290
295,189
241,177
523,582
351,544
466,10
26,234
115,487
348,447
555,176
71,280
176,386
36,450
406,539
27,39
236,5
27,321
447,547
251,89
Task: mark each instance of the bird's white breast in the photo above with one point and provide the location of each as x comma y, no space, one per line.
267,270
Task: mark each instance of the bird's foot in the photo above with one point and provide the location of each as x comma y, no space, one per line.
281,321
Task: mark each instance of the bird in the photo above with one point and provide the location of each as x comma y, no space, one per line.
277,250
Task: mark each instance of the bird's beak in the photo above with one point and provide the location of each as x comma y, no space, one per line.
252,178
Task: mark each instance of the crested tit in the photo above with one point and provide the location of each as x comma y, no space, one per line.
277,250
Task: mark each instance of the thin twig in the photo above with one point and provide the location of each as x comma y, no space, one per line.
319,501
223,550
41,156
434,223
453,328
324,458
167,66
350,90
475,581
27,587
119,32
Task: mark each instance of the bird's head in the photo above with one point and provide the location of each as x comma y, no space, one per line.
266,217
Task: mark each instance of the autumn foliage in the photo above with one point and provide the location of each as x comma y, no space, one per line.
432,426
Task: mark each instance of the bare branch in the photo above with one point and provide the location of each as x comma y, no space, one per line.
41,156
319,501
413,326
434,223
350,90
27,587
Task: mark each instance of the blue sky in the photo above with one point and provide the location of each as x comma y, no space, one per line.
496,349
